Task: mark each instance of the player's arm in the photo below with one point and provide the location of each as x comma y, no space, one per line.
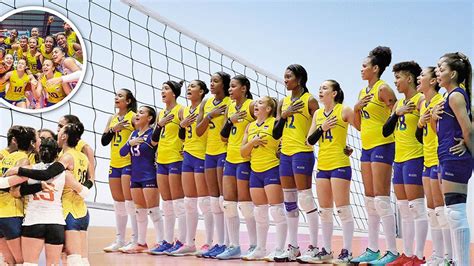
227,127
313,105
66,88
108,134
38,91
314,133
182,130
89,152
72,183
10,181
202,121
458,105
6,77
391,123
387,96
279,122
247,147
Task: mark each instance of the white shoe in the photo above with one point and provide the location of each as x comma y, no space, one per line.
255,254
128,246
114,247
289,255
271,257
308,255
434,261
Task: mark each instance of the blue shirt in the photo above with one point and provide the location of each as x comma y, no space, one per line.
142,156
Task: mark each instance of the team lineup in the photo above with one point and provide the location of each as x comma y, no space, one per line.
228,153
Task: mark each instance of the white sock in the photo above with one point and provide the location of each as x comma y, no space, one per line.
293,230
247,210
205,207
226,229
231,215
142,222
327,225
120,220
74,260
218,215
191,219
408,227
262,225
279,218
418,212
347,220
178,206
130,207
169,220
444,224
387,216
436,234
373,220
85,262
313,223
157,218
459,225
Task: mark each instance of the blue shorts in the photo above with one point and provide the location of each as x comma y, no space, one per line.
239,170
262,179
118,172
80,224
409,172
298,163
431,172
459,171
380,154
10,228
214,161
342,172
2,94
48,104
169,168
150,183
16,102
192,164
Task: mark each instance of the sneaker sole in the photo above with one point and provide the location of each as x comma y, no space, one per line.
283,260
111,251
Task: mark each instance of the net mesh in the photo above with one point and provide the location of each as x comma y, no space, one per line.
128,49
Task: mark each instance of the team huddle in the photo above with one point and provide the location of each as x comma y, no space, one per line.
37,72
228,152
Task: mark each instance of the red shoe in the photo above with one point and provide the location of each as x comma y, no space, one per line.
415,261
400,261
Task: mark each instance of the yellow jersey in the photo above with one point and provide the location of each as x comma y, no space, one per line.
72,38
373,117
21,54
296,128
16,92
430,138
215,145
40,41
237,132
80,145
407,146
9,42
44,53
120,139
4,153
55,92
72,202
10,206
332,143
263,158
194,145
72,53
170,146
32,62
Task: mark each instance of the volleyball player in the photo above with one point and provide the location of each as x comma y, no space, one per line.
117,132
69,67
46,49
454,120
11,143
193,179
211,119
5,66
55,93
329,129
143,185
265,189
408,163
73,50
19,82
32,56
370,113
235,183
294,116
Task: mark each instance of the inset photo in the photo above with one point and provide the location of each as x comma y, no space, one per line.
42,59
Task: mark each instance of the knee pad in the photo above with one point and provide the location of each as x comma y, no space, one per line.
306,201
178,206
204,204
290,197
432,219
141,215
278,213
130,207
155,214
404,210
370,206
168,208
246,208
442,217
382,204
326,215
230,209
418,209
345,214
457,216
119,207
454,198
190,205
261,214
215,206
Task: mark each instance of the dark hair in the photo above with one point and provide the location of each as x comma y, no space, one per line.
25,137
244,81
61,49
202,85
132,106
48,150
11,133
71,119
49,131
175,87
54,40
152,113
432,70
74,133
337,88
380,56
411,67
225,81
300,74
460,63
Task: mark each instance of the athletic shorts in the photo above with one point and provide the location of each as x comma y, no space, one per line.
192,164
239,170
342,172
80,224
409,172
2,94
262,179
48,104
118,172
431,172
52,234
380,154
298,163
215,161
169,168
16,102
10,228
150,183
459,171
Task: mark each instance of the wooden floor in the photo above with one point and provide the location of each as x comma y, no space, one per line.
100,237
